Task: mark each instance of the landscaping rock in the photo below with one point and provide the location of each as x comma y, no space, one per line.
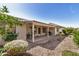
66,44
40,51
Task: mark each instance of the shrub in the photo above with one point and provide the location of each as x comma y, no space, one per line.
76,37
69,53
1,50
68,31
16,47
9,36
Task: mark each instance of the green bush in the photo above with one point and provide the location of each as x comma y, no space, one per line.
76,37
69,53
68,31
9,36
1,50
16,47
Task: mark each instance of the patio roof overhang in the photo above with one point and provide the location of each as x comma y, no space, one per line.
36,23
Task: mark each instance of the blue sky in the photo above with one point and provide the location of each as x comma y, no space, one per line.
60,13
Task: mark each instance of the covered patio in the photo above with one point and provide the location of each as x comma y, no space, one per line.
40,32
35,31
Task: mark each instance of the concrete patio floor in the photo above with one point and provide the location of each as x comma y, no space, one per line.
48,43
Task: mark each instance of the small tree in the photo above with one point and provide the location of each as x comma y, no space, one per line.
7,22
4,9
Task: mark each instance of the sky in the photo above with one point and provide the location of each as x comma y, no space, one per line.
65,14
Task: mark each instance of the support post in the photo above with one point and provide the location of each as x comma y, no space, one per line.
55,31
47,31
41,30
33,32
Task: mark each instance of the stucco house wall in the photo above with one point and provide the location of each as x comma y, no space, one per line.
21,30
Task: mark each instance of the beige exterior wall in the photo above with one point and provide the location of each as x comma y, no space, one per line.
56,30
21,30
61,29
28,28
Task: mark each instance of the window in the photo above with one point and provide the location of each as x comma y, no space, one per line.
39,31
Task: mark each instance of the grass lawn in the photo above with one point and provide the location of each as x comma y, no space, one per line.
69,53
